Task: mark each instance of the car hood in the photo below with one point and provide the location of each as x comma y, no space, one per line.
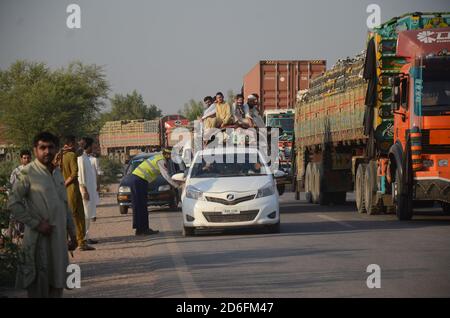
235,184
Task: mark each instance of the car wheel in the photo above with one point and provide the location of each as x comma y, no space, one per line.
274,228
188,231
123,209
281,188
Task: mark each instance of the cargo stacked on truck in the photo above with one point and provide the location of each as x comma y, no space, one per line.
386,137
121,140
277,83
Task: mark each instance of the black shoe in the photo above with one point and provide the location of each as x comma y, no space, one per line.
91,241
86,247
147,232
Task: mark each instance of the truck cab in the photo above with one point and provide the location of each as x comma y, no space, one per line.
419,157
284,120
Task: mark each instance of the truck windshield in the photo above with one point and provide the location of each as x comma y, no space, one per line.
436,87
240,166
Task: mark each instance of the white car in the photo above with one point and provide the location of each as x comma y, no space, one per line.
229,188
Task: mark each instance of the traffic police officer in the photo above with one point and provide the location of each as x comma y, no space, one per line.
139,180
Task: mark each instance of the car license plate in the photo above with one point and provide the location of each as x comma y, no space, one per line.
231,211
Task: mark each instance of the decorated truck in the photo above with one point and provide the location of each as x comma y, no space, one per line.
379,124
121,140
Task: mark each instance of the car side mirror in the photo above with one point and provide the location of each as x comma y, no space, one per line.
279,174
179,177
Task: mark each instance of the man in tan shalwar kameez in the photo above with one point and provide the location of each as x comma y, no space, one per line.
39,200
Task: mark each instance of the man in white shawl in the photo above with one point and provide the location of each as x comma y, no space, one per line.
87,178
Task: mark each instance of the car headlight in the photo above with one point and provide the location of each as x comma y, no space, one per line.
194,193
164,188
124,189
267,190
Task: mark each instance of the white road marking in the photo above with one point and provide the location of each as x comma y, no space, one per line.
329,218
190,288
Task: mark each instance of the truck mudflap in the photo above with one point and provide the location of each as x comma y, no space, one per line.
437,189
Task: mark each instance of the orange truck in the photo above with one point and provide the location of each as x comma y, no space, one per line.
380,125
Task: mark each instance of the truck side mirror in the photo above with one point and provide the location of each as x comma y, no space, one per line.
396,97
404,93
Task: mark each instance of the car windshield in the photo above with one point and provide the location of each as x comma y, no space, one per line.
209,166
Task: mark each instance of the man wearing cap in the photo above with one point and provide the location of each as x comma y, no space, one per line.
252,102
138,181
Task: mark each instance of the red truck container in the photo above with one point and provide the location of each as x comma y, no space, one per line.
278,82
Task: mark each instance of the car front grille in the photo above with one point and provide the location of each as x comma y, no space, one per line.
234,202
218,217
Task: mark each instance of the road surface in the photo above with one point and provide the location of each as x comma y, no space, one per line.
320,252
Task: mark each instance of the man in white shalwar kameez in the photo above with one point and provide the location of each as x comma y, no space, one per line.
87,178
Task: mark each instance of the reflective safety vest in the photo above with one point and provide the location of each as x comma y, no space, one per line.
148,169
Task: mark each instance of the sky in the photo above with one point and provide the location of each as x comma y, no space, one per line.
173,50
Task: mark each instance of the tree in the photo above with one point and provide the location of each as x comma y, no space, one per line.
131,106
34,98
192,110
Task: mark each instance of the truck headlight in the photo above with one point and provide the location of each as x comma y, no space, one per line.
194,193
124,189
443,163
164,188
428,163
265,191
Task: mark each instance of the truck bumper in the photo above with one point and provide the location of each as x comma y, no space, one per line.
437,189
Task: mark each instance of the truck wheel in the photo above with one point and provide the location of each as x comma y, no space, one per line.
318,197
315,183
403,200
188,231
308,183
446,208
123,209
370,191
359,188
339,197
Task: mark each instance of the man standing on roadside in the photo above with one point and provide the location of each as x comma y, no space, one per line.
39,200
87,179
25,159
69,168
